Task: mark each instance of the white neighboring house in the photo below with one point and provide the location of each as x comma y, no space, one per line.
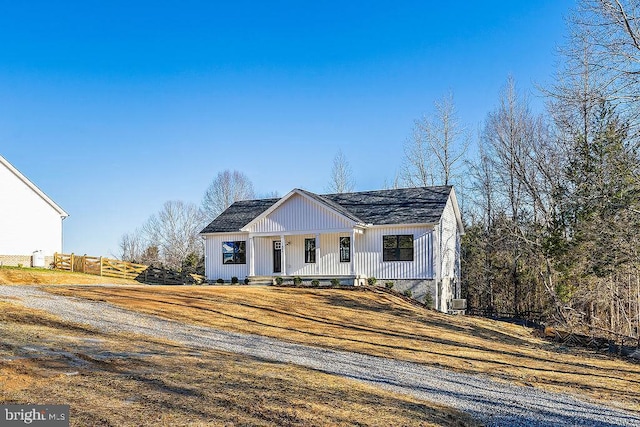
409,236
30,222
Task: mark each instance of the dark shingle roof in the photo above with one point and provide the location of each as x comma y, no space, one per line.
382,207
238,215
398,206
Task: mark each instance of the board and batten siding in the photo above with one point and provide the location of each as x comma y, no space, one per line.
327,256
446,247
263,257
330,255
214,268
27,222
299,213
450,241
369,254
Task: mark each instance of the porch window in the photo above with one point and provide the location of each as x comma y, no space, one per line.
234,252
397,247
310,251
345,249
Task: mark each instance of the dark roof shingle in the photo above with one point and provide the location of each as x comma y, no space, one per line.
381,207
397,206
238,215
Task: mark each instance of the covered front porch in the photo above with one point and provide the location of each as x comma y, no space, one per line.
303,254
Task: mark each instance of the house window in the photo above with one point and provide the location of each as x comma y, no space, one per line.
234,252
310,251
397,247
345,249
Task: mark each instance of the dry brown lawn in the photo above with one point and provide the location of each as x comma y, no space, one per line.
36,276
381,324
115,380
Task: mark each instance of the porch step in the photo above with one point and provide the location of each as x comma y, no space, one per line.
261,280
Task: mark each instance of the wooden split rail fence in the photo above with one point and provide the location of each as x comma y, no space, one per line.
109,267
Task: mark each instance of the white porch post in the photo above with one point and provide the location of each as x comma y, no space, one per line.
352,254
283,246
317,253
252,251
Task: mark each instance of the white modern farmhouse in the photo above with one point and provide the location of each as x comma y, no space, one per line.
30,222
409,236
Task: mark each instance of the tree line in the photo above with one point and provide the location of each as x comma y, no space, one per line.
554,198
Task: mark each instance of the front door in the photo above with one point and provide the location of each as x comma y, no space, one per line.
277,256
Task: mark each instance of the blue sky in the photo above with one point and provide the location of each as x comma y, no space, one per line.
113,108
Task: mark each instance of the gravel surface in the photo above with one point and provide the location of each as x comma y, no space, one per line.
494,403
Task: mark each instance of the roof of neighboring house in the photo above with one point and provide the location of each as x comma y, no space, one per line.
423,205
33,187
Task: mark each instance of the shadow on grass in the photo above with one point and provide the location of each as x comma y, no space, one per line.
195,302
173,388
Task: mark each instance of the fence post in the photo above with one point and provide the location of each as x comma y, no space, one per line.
72,261
55,260
100,266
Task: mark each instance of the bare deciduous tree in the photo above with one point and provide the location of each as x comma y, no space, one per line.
226,188
509,134
579,88
269,195
132,246
417,165
516,181
436,148
609,32
480,242
342,180
394,184
151,255
174,231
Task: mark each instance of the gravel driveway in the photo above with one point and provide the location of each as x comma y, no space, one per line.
496,404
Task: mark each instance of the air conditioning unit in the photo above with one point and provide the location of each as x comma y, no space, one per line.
458,304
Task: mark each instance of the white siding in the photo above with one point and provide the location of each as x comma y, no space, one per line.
367,255
447,253
449,226
330,255
295,257
299,214
27,222
327,256
214,268
369,260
